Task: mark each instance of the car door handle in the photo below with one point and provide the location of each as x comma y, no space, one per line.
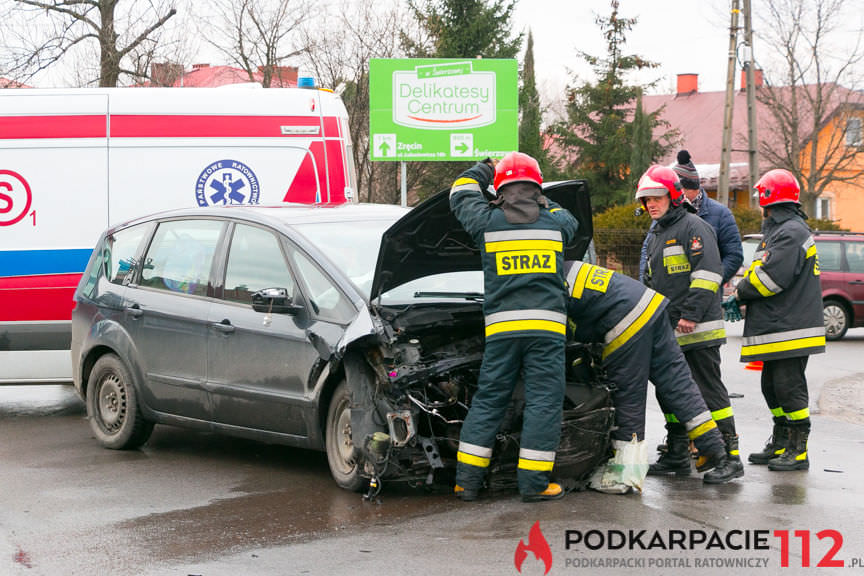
134,311
225,326
856,282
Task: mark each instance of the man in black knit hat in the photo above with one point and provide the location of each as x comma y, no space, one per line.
713,212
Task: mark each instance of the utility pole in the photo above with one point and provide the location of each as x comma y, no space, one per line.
726,154
753,143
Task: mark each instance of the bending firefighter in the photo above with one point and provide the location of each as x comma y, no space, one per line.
784,322
632,322
521,236
684,265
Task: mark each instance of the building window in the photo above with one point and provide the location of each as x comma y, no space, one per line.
823,209
853,132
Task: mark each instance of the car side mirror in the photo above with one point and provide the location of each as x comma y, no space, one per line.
274,301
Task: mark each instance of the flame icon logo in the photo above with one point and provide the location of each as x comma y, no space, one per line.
536,544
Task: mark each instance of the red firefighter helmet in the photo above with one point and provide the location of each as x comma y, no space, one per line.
778,186
517,167
659,181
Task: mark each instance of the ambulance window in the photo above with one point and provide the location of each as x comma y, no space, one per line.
180,256
119,252
255,262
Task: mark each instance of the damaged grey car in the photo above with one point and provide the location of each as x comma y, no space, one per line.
354,329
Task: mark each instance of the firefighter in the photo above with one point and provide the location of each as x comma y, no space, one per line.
784,323
633,324
684,265
521,235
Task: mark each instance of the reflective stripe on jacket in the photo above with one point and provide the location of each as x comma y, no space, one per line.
684,265
782,291
609,307
523,264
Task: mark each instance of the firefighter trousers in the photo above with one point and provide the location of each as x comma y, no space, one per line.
784,387
540,363
653,353
705,366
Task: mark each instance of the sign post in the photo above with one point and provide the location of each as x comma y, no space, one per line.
442,110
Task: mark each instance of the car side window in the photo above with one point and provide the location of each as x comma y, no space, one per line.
180,256
119,252
830,256
326,299
855,257
255,261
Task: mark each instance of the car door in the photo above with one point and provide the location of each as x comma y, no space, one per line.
258,362
168,315
855,278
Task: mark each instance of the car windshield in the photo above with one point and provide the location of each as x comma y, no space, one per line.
353,247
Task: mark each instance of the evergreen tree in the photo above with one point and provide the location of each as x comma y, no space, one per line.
530,113
603,129
457,29
463,29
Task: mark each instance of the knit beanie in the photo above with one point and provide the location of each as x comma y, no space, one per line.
686,171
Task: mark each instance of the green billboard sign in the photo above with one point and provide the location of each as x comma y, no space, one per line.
423,109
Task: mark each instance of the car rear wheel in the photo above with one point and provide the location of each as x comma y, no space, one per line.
112,406
341,454
836,318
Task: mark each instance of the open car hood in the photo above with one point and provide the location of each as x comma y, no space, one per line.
429,240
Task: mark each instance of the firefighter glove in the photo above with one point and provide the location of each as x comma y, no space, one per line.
732,309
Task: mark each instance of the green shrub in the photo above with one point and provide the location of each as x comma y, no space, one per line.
618,237
749,220
824,224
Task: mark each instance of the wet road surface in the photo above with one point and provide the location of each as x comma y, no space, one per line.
198,503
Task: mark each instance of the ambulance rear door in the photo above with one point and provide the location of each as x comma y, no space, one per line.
53,206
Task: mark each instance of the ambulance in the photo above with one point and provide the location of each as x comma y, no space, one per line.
74,161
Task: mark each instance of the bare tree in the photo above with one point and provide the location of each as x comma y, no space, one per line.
258,36
39,34
815,99
365,29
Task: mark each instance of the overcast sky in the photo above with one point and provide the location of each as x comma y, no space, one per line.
682,36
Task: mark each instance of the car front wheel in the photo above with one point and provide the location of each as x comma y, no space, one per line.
112,406
836,318
341,454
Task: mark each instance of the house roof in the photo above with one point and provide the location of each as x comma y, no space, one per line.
698,117
7,83
207,76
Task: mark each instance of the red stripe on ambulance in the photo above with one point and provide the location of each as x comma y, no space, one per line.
37,298
181,126
30,127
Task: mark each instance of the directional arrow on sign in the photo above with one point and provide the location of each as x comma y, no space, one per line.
384,148
463,147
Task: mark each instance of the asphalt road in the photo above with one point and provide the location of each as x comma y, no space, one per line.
193,503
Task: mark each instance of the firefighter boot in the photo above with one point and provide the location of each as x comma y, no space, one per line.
776,443
731,467
795,455
676,458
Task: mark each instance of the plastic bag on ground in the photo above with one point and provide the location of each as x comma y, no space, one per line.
625,471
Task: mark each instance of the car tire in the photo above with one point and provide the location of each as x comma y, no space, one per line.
837,319
341,454
112,406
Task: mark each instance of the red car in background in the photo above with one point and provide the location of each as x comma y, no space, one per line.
841,265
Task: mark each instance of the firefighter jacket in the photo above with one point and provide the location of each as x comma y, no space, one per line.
609,307
523,264
684,265
782,291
